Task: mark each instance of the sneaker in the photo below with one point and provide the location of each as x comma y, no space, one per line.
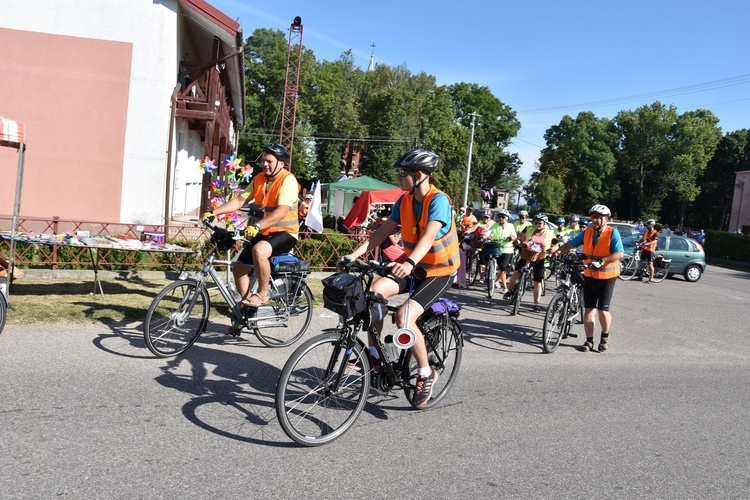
481,280
536,308
508,295
423,389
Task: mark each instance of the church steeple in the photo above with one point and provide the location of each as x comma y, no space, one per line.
371,66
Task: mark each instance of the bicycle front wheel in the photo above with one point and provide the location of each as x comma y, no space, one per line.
473,269
3,312
444,351
628,268
520,289
322,390
491,276
554,323
175,318
288,318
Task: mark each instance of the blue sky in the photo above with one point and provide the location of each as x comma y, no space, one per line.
543,58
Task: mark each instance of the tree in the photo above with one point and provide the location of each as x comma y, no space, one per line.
693,141
580,154
643,149
712,206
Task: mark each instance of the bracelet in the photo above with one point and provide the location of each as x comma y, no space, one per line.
257,225
413,264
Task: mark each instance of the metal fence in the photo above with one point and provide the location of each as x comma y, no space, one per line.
322,250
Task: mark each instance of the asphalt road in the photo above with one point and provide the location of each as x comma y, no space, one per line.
87,412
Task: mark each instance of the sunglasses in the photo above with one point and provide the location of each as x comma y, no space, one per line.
538,222
403,173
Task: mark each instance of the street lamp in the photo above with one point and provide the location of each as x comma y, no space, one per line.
468,162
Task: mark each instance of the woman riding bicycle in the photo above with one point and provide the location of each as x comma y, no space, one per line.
430,240
538,242
504,233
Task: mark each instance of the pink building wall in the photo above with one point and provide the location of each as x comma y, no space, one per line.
72,94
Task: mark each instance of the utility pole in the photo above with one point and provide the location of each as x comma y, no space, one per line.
468,163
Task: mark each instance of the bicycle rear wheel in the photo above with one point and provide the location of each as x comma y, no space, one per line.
444,351
628,268
322,390
288,318
175,318
555,322
660,272
491,276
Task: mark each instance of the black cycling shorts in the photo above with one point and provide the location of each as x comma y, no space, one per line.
426,291
648,256
503,261
280,243
597,294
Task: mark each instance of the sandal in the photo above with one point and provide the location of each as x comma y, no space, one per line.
234,331
604,343
587,346
259,301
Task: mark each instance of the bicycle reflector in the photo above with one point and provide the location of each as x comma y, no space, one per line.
404,338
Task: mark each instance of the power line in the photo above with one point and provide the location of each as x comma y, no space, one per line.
344,138
689,89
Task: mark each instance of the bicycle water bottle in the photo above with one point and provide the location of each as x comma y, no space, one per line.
390,348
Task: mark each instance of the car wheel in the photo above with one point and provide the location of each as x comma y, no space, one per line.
692,273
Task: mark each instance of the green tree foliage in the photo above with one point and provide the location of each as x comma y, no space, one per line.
712,205
580,154
643,155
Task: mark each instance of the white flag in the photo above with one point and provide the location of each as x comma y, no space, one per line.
314,219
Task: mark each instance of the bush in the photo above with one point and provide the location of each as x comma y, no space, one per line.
724,245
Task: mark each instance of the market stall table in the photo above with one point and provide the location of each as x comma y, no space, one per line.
100,242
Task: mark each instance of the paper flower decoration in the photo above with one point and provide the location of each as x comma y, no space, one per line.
245,174
225,185
232,162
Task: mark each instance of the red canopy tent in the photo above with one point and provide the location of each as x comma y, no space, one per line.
360,210
13,134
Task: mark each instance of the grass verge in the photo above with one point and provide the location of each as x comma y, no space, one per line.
62,300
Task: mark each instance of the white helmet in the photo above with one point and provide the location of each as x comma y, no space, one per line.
523,213
601,210
308,196
650,221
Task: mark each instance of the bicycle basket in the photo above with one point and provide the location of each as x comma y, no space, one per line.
343,294
491,248
222,239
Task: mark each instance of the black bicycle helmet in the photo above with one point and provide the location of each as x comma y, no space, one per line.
418,159
279,151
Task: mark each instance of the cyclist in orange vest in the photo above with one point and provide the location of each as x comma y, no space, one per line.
603,248
648,249
430,242
276,190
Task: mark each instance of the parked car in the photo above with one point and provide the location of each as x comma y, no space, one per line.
625,229
687,255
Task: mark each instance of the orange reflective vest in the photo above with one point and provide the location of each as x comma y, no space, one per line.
599,251
269,200
649,237
443,258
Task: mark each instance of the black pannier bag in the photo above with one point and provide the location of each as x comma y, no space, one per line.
343,294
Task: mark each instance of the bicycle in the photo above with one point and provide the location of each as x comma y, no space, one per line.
525,280
472,260
567,303
633,265
324,385
179,313
3,305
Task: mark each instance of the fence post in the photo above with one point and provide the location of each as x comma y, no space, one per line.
55,223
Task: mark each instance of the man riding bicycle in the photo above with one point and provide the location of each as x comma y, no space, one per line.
275,189
430,241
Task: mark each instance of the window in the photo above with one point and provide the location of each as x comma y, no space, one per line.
679,245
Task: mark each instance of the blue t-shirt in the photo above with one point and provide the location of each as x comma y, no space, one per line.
615,244
440,210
